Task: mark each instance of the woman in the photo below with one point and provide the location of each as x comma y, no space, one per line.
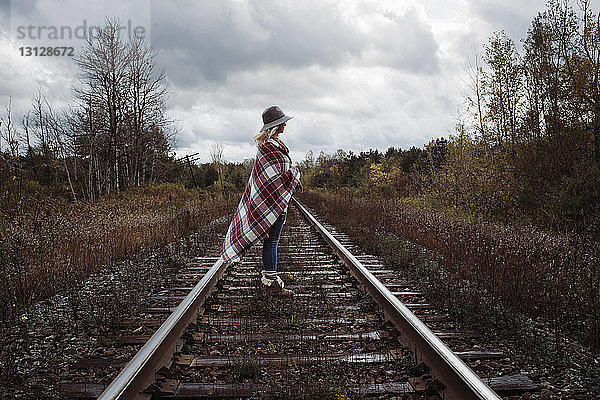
263,207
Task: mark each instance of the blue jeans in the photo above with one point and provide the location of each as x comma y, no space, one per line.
269,253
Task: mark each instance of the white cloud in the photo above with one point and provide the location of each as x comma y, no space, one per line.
354,74
21,76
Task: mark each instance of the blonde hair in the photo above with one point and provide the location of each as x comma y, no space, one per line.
267,134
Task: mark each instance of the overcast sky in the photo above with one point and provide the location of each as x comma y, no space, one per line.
354,74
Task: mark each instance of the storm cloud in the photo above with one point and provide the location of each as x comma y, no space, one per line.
354,74
218,38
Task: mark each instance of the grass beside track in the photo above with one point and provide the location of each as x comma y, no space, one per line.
52,245
523,286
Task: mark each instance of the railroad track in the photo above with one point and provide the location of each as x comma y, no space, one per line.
225,338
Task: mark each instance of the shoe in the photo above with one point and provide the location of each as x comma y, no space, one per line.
275,286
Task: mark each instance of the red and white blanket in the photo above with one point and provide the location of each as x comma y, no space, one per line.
268,192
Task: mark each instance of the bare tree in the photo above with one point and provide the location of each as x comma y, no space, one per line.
475,72
58,129
586,78
40,123
10,134
216,156
123,99
503,87
146,101
104,63
26,124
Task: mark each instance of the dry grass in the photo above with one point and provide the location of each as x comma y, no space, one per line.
547,277
48,245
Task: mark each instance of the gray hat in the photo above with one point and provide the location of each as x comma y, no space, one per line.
273,116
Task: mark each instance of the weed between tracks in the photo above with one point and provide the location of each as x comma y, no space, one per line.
323,380
246,367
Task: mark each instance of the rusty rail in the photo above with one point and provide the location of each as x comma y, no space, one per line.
139,373
460,381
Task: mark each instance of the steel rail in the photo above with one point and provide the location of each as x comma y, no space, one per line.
460,381
139,373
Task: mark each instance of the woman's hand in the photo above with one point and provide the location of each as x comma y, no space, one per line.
295,169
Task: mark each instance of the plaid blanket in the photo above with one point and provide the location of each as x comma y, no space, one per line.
268,192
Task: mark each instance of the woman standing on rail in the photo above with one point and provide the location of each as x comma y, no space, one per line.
263,208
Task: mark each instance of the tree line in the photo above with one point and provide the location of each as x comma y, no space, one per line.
369,172
528,143
526,147
113,136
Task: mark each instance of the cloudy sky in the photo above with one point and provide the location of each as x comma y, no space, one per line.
354,74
